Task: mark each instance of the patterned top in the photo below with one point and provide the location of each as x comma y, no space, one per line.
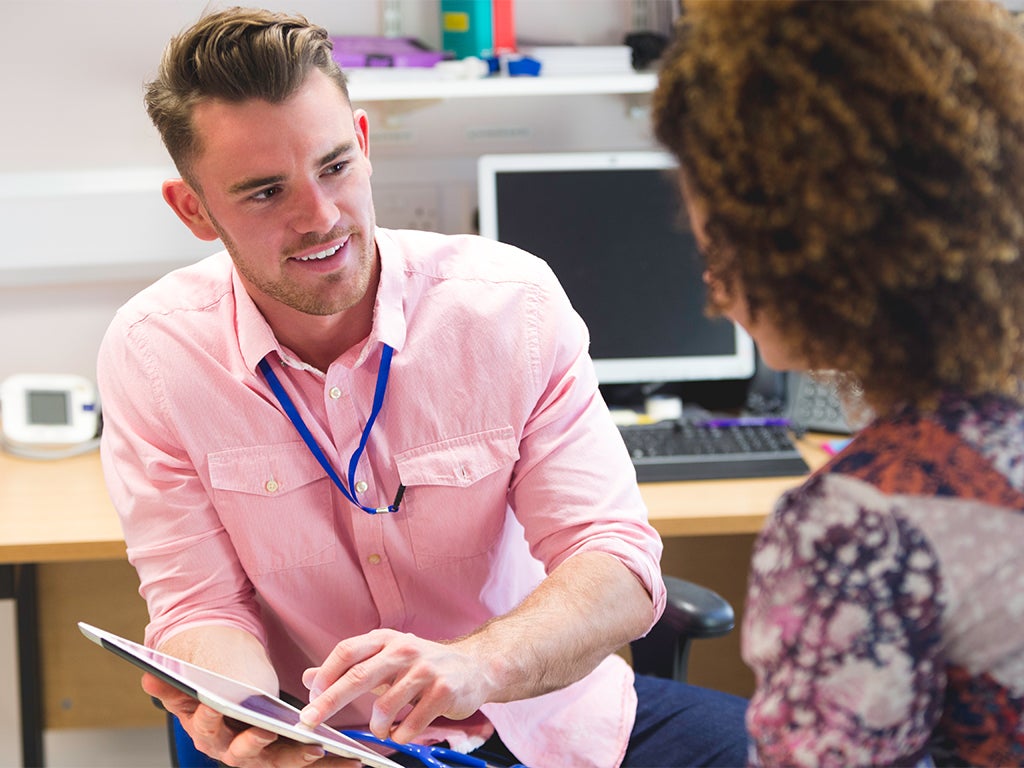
885,616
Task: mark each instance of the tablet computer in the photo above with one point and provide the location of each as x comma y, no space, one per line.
235,699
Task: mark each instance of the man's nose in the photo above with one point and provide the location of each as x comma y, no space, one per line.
314,210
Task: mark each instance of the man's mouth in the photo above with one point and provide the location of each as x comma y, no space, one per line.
319,255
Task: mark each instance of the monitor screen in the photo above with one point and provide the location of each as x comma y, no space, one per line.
611,227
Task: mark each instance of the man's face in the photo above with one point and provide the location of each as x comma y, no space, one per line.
287,189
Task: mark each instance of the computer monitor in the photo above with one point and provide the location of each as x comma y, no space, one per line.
611,227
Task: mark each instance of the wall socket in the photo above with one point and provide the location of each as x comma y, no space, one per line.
408,206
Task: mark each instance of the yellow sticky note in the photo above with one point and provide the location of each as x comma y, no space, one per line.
455,21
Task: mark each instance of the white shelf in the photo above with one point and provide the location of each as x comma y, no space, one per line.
410,87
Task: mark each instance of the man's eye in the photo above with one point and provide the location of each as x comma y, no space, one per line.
336,168
266,194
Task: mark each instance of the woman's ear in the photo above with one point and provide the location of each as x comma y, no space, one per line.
190,209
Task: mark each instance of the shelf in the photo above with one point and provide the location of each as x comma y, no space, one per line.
403,86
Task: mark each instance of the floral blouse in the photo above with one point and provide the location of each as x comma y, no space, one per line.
885,615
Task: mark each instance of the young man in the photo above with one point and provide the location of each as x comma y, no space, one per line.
373,467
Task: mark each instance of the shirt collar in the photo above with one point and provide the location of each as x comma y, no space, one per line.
256,339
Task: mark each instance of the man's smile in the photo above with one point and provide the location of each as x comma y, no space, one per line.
319,255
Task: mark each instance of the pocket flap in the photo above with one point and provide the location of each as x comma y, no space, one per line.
458,461
264,470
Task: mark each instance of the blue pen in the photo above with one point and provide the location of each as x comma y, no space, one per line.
746,421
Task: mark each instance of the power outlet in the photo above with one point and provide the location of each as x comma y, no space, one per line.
408,206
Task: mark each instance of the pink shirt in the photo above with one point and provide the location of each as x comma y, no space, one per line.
492,419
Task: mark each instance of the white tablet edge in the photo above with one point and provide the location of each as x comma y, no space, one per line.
160,664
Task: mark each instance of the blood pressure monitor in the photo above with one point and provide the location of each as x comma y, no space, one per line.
59,410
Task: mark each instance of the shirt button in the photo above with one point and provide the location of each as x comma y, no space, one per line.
361,486
374,559
335,393
271,486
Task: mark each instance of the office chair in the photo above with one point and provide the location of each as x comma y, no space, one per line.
691,613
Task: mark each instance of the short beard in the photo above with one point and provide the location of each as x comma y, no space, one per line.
280,291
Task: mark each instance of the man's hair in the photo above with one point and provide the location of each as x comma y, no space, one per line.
233,55
862,168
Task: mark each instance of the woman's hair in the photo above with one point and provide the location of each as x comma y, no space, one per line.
234,55
861,166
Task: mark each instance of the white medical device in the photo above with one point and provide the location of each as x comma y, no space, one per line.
45,411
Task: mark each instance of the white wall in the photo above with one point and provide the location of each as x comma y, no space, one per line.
72,96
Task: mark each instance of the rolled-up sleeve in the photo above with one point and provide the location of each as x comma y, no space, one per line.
574,486
189,574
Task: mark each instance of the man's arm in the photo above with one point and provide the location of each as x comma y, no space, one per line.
226,650
589,607
235,653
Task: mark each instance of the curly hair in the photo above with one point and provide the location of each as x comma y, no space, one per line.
862,169
235,55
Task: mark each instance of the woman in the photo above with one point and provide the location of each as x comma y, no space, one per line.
854,173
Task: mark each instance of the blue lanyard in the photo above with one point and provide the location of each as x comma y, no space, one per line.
318,454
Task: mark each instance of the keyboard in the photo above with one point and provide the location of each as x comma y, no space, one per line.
681,450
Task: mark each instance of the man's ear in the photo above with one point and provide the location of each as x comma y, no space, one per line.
190,209
361,123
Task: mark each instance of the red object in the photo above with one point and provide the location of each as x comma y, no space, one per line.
503,19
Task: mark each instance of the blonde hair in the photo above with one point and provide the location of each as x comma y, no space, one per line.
862,168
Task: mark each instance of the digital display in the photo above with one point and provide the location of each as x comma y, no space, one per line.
48,407
47,411
612,228
237,700
615,241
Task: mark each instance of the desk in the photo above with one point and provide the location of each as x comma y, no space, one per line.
59,511
50,511
56,511
723,507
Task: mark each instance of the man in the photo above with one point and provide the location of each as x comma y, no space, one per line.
372,464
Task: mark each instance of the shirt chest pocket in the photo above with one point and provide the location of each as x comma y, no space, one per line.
275,503
456,494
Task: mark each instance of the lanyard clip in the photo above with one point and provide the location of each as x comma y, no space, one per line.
394,506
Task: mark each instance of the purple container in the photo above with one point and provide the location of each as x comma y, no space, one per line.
351,52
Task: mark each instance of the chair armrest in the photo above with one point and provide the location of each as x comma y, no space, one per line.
696,611
692,611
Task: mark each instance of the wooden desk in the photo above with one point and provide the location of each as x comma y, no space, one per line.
50,512
54,512
723,507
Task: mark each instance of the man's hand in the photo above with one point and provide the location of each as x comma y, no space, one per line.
231,743
587,608
435,679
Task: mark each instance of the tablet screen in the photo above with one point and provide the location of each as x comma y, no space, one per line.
235,699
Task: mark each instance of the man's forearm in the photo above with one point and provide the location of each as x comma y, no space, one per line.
226,650
589,607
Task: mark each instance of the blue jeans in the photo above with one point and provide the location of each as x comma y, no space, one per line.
677,726
683,725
